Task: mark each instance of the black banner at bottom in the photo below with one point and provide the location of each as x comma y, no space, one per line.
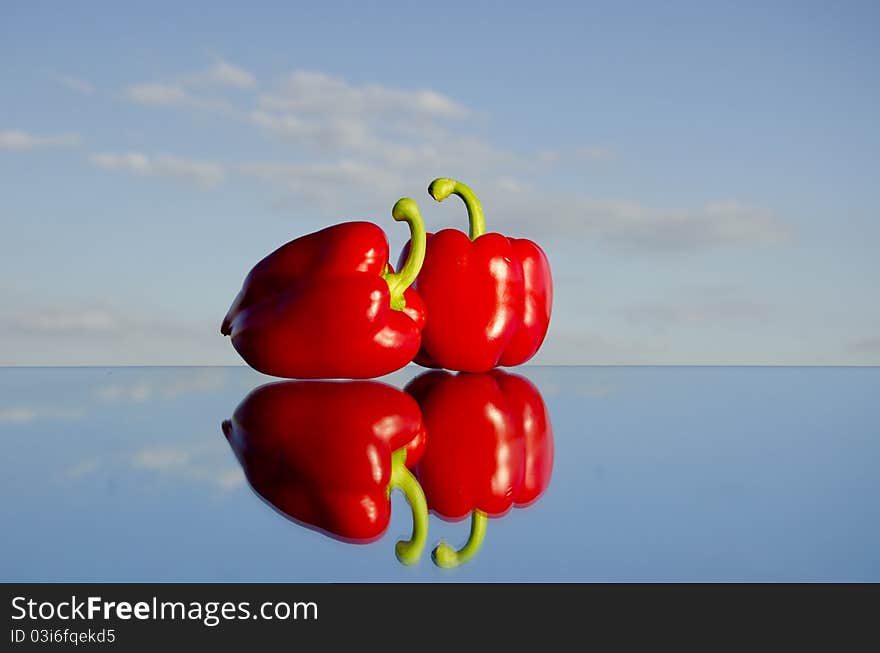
133,617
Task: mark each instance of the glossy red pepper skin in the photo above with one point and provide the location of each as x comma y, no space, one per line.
490,442
488,298
320,307
320,452
537,303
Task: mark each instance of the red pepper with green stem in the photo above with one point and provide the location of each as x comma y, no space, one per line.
490,448
329,305
488,297
328,454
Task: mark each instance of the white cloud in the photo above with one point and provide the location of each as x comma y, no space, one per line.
697,312
408,133
508,185
105,335
194,463
75,84
137,392
84,468
577,345
353,139
325,183
415,157
51,321
17,414
96,320
26,413
509,203
157,94
635,225
174,95
869,345
188,461
22,140
328,132
229,479
862,351
736,222
163,386
179,92
313,92
224,73
161,459
201,173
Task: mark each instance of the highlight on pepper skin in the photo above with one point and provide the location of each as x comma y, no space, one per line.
327,455
488,297
490,448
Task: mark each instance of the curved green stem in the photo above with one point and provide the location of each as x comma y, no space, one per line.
447,557
442,188
409,551
406,210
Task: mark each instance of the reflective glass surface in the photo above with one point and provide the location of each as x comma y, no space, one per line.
657,474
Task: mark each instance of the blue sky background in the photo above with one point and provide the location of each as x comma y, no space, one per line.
703,176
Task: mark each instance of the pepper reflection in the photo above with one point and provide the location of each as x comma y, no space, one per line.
490,447
328,454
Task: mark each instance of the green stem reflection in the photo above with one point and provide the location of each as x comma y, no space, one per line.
409,551
447,557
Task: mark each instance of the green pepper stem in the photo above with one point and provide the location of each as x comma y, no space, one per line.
442,188
409,551
406,210
447,557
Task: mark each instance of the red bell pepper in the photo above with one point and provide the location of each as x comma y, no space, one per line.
490,447
328,304
327,455
488,297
